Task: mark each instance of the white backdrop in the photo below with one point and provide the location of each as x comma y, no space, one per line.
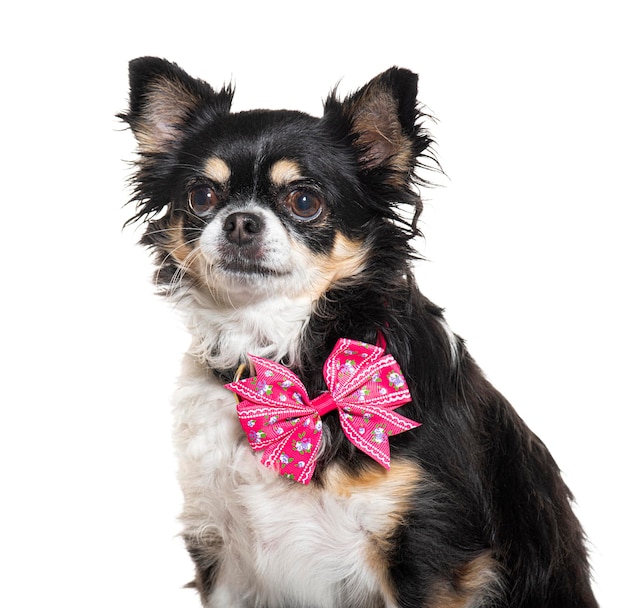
523,243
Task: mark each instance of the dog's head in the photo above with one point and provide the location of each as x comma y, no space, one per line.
253,203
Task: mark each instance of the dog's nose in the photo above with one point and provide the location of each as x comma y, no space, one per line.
241,228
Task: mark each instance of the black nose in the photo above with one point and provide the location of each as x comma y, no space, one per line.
241,228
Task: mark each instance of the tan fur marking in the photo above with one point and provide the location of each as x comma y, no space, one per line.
393,487
284,172
391,490
217,170
474,581
396,484
346,260
181,250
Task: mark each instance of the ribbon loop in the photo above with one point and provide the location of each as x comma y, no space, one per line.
278,417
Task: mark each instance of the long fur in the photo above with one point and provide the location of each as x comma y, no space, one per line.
473,511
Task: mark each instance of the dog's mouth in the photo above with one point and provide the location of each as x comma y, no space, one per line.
250,268
248,259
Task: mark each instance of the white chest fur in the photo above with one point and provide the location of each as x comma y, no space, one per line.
278,541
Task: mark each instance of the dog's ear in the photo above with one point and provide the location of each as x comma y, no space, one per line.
382,119
164,99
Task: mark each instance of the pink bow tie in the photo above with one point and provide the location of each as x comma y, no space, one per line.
278,417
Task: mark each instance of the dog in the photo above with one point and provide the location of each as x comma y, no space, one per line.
283,240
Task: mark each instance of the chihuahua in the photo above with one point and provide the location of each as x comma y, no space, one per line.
361,458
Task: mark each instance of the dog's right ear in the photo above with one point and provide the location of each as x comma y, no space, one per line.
164,99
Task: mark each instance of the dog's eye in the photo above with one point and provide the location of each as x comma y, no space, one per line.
202,200
304,205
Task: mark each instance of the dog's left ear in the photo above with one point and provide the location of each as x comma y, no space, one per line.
382,122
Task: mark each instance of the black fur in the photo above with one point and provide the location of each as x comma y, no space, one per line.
491,484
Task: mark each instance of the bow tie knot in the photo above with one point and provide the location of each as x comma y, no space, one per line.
324,403
279,419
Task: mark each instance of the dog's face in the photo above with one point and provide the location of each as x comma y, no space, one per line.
254,203
257,210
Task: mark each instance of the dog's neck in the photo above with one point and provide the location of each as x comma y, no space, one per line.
224,334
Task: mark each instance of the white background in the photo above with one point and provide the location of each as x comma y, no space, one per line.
524,242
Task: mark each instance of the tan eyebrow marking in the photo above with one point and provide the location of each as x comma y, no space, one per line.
217,170
285,171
